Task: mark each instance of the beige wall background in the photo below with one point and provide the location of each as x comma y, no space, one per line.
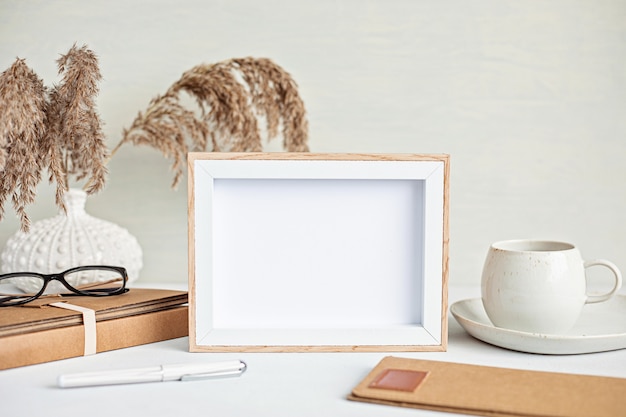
528,98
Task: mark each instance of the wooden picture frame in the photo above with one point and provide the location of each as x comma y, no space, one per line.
295,252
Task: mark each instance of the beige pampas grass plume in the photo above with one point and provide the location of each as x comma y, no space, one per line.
75,142
232,96
59,129
22,126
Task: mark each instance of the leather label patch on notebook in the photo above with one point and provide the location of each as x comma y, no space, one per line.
399,380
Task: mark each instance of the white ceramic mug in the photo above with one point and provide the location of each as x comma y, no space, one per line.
538,286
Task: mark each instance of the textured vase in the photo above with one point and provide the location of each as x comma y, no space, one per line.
72,239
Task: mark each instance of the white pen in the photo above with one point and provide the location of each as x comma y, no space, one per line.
160,373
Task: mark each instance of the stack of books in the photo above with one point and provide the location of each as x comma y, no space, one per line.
38,332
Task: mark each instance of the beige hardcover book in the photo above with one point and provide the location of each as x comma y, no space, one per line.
37,332
490,391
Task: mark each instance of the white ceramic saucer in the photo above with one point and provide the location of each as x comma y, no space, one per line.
601,327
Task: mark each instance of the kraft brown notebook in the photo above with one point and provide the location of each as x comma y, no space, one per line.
490,391
37,332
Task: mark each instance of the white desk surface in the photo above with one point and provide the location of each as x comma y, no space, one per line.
275,384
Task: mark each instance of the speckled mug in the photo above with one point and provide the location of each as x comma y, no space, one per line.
538,286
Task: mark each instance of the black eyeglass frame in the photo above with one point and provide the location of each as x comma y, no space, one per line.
60,276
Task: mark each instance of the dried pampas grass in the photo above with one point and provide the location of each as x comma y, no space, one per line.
231,96
74,141
22,126
58,129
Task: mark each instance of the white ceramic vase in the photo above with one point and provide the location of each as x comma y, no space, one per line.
72,239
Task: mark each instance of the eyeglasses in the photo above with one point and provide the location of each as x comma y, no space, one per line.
92,280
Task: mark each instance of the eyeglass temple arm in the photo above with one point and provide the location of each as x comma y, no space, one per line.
80,287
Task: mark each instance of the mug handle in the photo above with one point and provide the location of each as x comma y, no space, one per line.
616,287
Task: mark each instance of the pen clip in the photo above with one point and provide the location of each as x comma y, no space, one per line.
215,375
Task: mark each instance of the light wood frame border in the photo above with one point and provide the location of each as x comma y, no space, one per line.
437,179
